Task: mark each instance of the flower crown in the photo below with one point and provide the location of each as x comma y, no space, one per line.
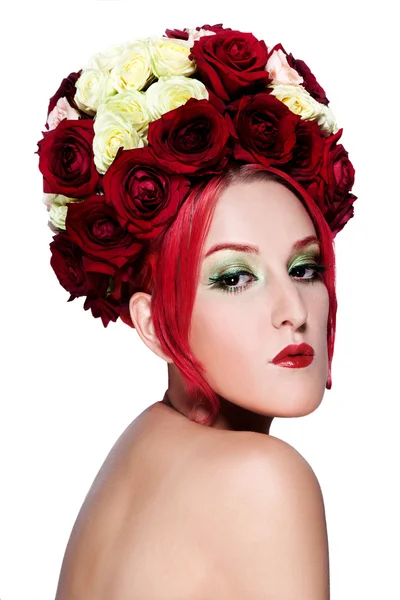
128,136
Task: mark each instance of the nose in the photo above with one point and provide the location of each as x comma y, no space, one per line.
288,306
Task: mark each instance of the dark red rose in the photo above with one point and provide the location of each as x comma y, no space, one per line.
307,152
332,185
231,63
264,129
66,261
342,171
309,81
94,226
184,35
191,139
106,309
145,198
337,220
179,34
66,90
66,159
215,28
134,277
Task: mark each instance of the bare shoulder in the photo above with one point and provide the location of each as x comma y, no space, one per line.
273,528
235,515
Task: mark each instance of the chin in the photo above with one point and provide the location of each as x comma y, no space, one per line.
299,404
290,400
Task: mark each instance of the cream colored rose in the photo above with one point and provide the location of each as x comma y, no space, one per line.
49,199
133,69
107,59
92,87
327,121
300,102
57,215
170,92
57,205
170,56
132,106
280,71
62,110
111,133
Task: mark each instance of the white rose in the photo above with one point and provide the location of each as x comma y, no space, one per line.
57,205
170,57
132,106
57,215
170,92
111,133
133,69
300,102
92,87
59,199
327,121
107,59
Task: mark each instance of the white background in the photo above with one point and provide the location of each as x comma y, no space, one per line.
69,387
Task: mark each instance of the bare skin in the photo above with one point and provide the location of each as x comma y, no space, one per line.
120,540
230,417
136,530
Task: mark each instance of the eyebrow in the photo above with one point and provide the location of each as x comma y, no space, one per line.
250,249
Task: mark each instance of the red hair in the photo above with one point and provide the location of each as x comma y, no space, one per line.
177,271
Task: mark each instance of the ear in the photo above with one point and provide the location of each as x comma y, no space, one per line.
140,312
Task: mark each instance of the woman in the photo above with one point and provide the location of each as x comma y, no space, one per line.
235,186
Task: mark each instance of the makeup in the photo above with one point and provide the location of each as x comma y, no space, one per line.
294,356
295,362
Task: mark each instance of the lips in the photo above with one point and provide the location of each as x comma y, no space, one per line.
301,351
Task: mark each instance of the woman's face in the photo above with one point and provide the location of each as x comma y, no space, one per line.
250,305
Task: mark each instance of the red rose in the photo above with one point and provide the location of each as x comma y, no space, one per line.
338,218
307,152
66,261
145,198
82,277
215,28
100,298
231,63
191,139
342,171
332,185
94,226
184,35
264,129
102,307
66,159
178,34
134,277
66,90
309,81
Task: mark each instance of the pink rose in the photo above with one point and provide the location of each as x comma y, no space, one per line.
62,110
280,71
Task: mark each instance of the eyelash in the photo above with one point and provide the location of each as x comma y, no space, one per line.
317,268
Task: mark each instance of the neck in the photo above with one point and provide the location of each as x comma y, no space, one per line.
230,417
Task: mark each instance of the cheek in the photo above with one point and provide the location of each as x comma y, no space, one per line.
318,310
221,336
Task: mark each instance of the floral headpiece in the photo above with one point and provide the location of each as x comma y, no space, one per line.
128,135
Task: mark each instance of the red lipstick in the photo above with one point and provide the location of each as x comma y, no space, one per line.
295,356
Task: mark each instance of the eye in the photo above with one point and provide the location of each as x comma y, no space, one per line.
228,281
312,272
